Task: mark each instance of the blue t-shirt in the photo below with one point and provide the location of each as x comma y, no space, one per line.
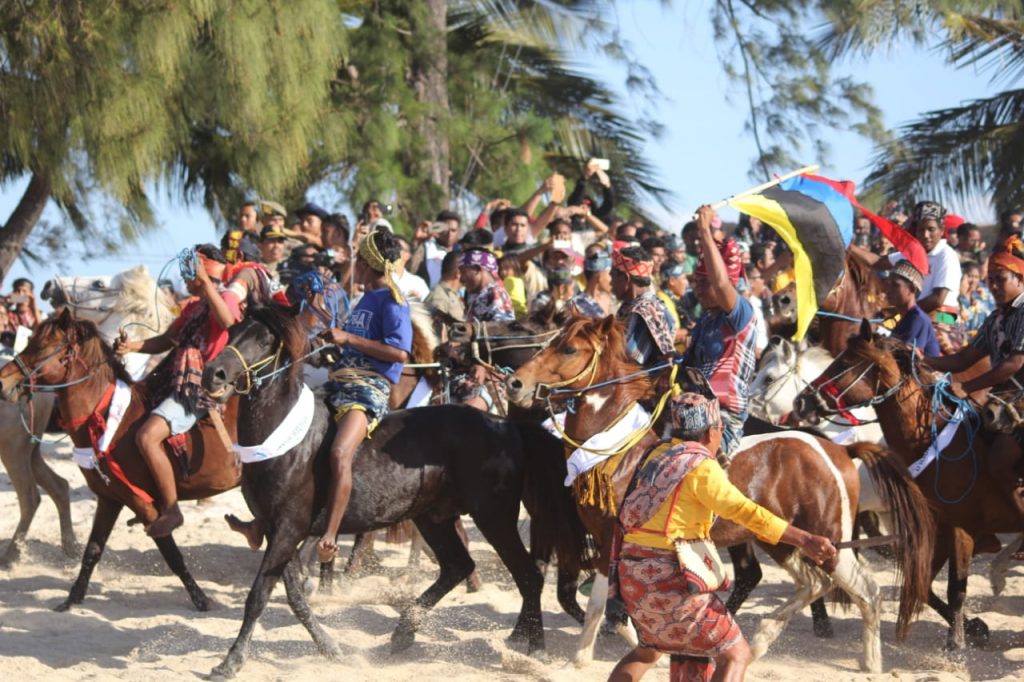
724,350
915,329
377,317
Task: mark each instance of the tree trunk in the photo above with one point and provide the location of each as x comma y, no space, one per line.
23,219
430,80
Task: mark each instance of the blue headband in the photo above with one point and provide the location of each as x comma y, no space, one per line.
597,262
673,269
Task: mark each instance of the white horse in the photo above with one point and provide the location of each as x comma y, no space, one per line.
130,300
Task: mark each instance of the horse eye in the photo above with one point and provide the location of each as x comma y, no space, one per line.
98,284
568,350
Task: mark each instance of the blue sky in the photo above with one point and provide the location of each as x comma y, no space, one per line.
703,156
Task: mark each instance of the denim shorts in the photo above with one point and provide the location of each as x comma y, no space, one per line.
177,417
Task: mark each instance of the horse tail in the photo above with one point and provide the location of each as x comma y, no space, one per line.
913,527
555,525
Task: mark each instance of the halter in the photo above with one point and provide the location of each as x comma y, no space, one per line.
826,386
249,371
480,334
67,355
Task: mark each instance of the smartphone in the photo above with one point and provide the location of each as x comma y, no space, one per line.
562,244
603,164
18,298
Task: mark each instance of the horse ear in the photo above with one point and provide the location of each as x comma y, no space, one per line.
65,316
788,354
865,329
801,346
606,325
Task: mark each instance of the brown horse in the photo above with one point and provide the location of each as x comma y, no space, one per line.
884,372
860,294
68,357
588,361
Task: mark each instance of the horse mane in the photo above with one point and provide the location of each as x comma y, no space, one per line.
286,326
424,338
92,349
612,343
142,299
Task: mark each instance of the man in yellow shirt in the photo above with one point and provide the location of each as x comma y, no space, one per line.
674,497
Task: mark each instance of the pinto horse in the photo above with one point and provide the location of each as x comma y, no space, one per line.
429,464
68,357
806,480
884,373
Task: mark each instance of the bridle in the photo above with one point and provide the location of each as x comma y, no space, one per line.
252,379
481,335
825,386
67,353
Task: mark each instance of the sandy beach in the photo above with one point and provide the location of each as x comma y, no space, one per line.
138,624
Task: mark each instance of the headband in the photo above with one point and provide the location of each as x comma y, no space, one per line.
481,258
215,269
907,271
693,413
730,252
559,274
369,252
672,268
632,267
597,262
1010,256
928,210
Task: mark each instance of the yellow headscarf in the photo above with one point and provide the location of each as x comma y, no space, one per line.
371,254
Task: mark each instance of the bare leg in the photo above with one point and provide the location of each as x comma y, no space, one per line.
731,664
352,429
252,530
633,665
150,439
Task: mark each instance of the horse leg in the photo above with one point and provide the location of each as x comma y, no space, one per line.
172,556
473,582
567,585
107,511
456,565
19,470
60,492
1001,564
502,533
326,577
300,607
811,583
956,588
851,576
363,556
596,606
747,571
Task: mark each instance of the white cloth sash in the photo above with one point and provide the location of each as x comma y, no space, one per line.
286,436
119,402
943,440
420,396
585,458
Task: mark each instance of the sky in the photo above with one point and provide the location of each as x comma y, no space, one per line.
703,156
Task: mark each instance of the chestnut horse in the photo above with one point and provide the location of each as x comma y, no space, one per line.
805,480
883,372
69,357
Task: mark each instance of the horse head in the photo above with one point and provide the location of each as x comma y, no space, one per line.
571,360
257,348
786,368
505,344
863,375
62,350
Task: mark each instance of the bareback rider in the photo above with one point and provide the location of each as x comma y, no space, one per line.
375,342
723,341
1001,340
198,335
649,327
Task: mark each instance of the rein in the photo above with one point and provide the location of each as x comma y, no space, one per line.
252,380
480,334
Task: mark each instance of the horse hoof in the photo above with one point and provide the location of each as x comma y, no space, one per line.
224,671
401,639
977,632
64,606
71,549
824,630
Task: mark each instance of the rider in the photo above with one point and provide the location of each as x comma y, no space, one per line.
914,328
375,342
1001,340
649,327
198,335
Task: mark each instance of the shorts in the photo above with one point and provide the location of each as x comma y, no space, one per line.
365,391
732,432
178,419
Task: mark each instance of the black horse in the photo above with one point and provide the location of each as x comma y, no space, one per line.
430,465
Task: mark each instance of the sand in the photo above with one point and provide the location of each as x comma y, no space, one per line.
137,622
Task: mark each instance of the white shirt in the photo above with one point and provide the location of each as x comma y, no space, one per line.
943,273
432,257
413,288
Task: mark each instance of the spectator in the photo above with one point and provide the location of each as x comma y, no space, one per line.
272,249
413,288
596,299
22,309
445,301
579,193
975,300
511,272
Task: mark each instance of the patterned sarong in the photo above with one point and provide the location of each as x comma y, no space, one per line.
355,385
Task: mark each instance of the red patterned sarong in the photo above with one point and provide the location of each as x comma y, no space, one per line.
670,619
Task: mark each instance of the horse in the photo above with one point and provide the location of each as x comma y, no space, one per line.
589,364
884,373
130,301
70,358
429,464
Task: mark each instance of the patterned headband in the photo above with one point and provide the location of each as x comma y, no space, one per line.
369,252
693,413
631,266
730,252
597,262
928,210
480,257
1009,257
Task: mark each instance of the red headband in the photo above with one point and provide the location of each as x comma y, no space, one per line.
1009,257
730,251
632,267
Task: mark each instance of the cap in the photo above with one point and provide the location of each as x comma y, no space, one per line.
271,232
312,209
272,208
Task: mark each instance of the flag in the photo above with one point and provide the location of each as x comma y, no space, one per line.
904,242
816,221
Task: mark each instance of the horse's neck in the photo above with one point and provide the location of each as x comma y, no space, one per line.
79,401
905,419
266,406
598,409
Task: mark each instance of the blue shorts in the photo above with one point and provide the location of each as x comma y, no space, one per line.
368,392
177,417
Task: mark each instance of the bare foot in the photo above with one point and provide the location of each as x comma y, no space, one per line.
327,549
166,522
250,529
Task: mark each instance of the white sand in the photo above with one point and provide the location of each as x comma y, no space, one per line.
138,623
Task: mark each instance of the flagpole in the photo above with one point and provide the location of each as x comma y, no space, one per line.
763,186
